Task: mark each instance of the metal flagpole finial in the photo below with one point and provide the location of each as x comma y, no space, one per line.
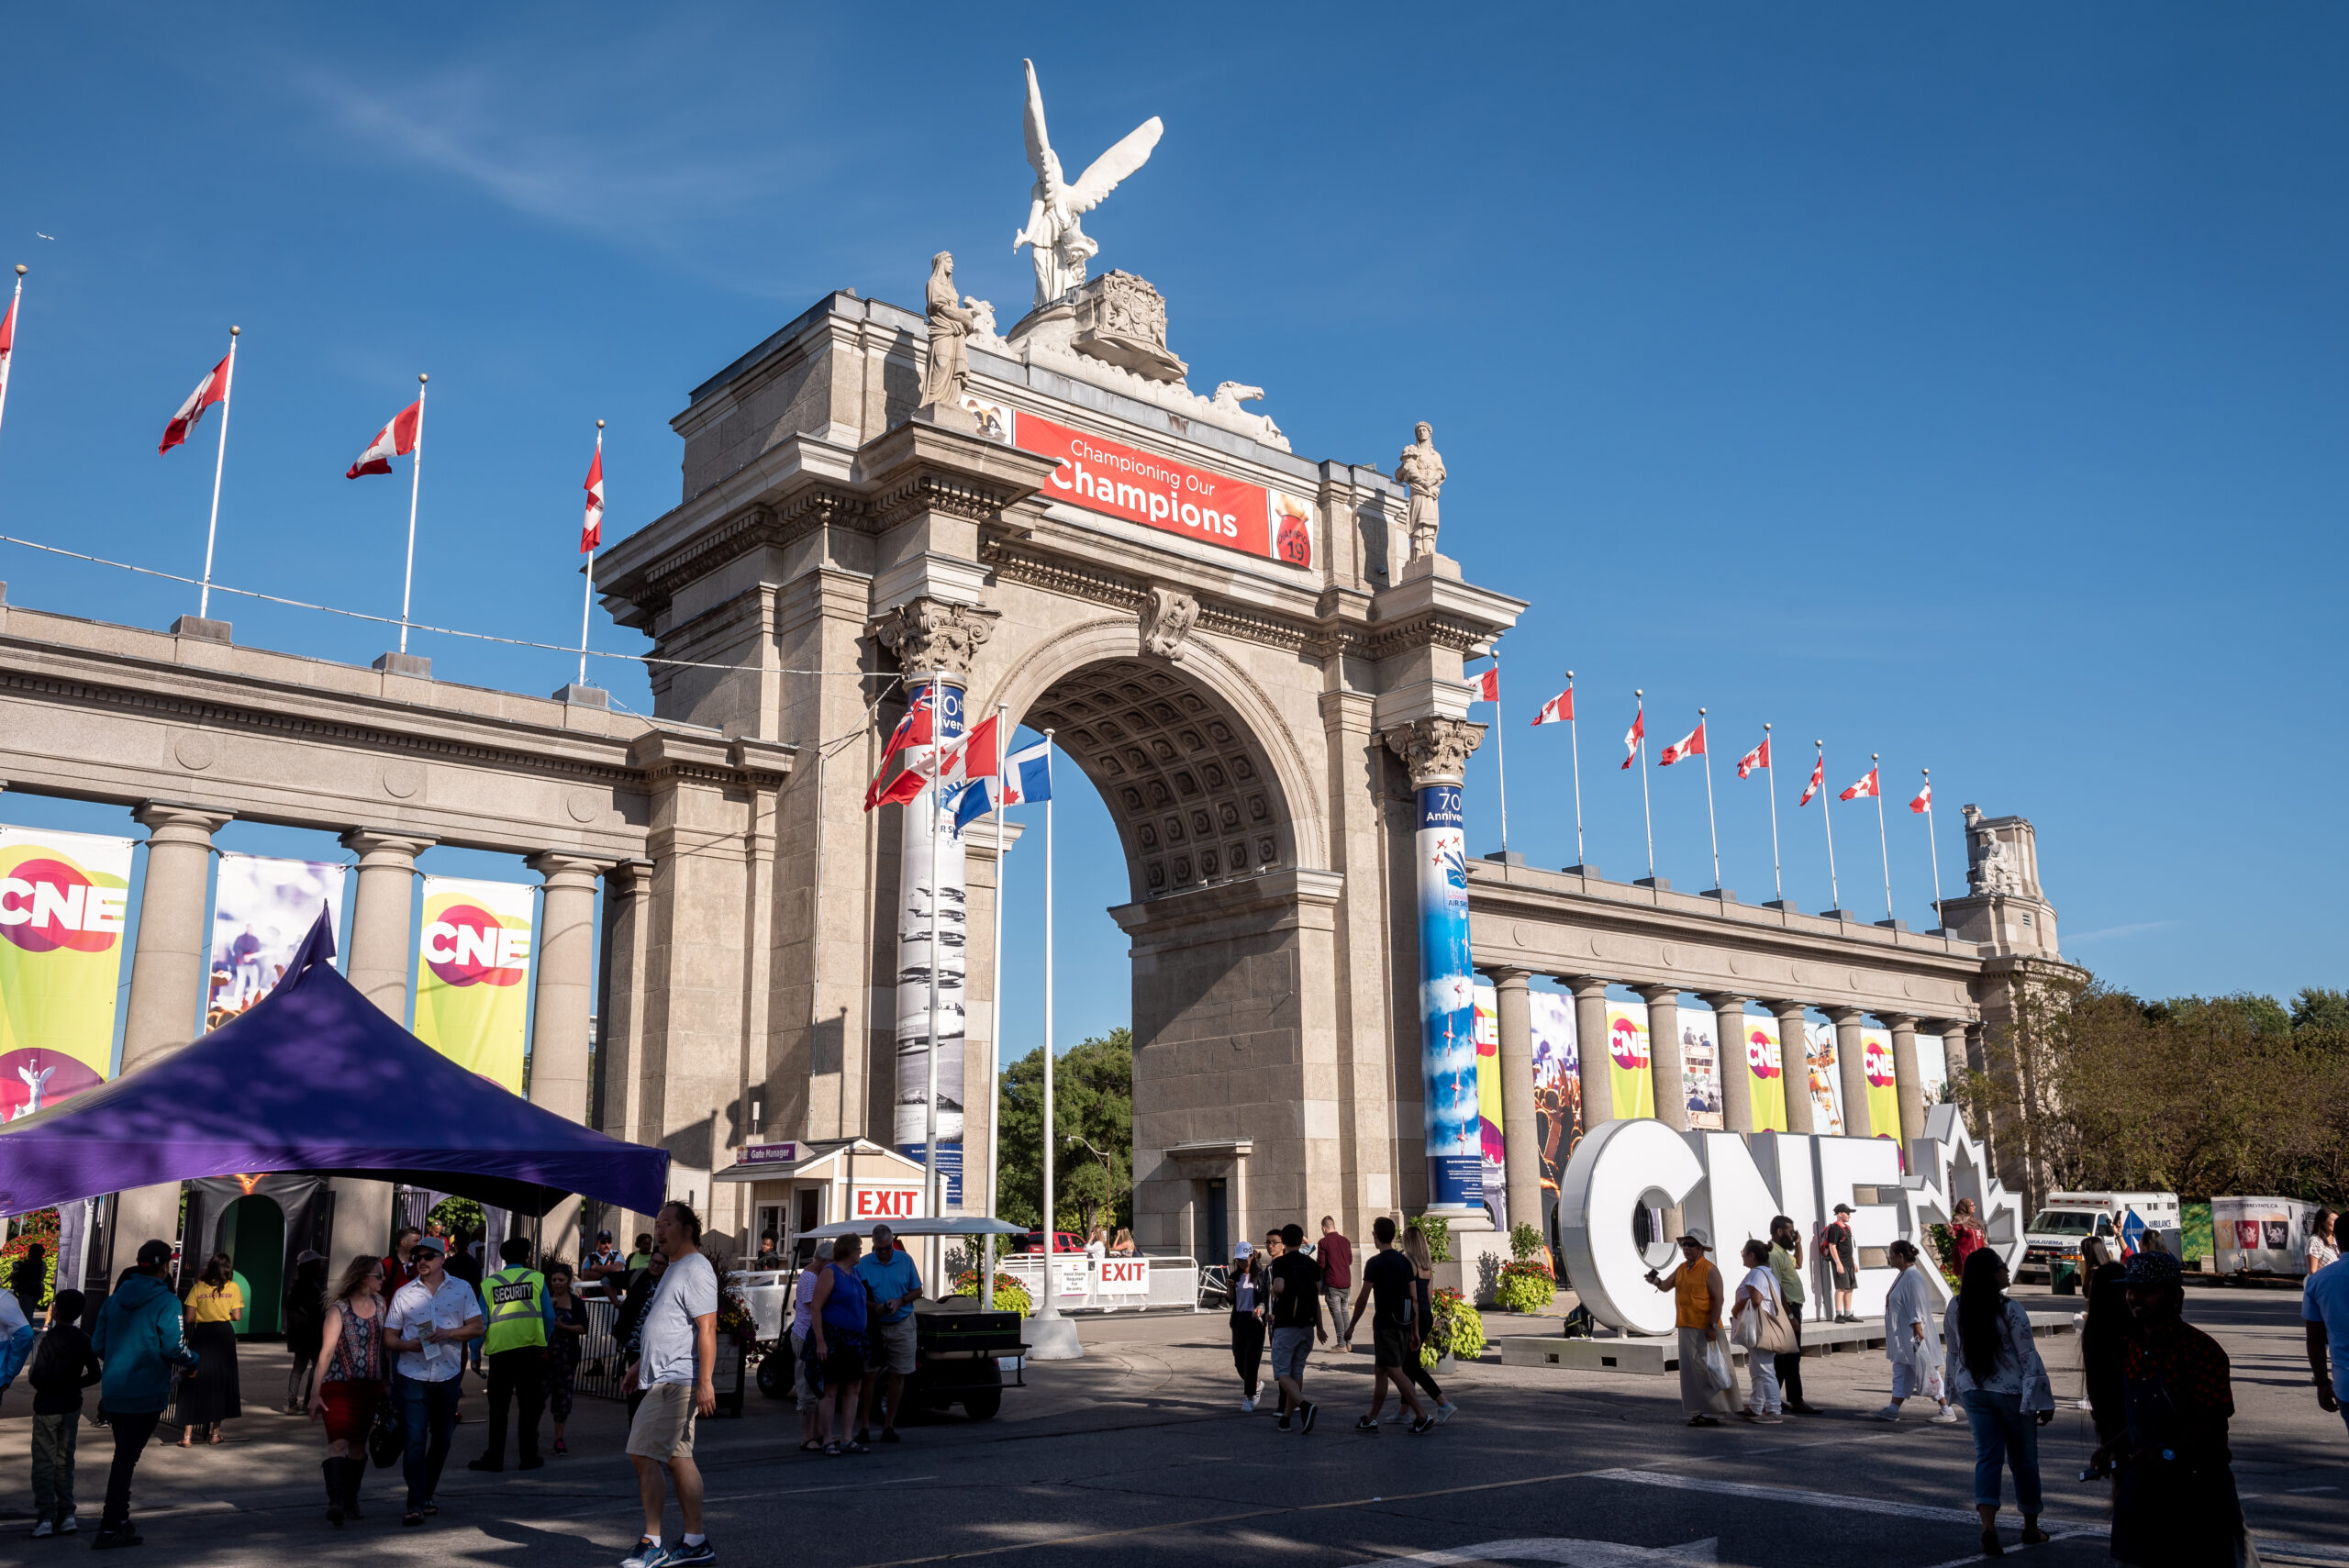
1765,726
21,268
421,378
1570,674
232,332
599,424
1700,713
1639,691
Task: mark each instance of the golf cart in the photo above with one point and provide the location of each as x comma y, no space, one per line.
959,1349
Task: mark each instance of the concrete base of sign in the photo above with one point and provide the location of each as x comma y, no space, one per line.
1656,1355
1050,1340
415,665
209,630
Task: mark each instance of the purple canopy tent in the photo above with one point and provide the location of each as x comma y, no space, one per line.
316,1078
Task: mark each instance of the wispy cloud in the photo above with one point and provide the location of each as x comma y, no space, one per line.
2114,933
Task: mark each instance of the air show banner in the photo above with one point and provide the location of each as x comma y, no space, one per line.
63,898
262,907
472,1000
1447,1006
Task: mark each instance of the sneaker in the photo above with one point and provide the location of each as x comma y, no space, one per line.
1247,1403
1767,1421
646,1555
108,1539
1284,1421
1304,1416
1423,1425
1445,1411
1889,1413
1367,1425
682,1554
1946,1417
44,1529
67,1525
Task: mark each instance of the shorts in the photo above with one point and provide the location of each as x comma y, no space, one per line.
1290,1347
1391,1346
663,1429
349,1409
809,1399
893,1349
1846,1280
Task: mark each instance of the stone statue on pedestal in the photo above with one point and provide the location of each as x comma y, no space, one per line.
1420,468
1053,234
949,373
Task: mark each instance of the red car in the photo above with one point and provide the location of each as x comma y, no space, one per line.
1063,1241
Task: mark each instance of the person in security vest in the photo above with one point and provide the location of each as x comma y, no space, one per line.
520,1317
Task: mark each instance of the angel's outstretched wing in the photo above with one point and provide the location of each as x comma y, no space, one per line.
1114,165
1039,146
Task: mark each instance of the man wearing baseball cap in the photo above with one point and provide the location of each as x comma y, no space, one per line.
1842,1261
431,1319
1698,1298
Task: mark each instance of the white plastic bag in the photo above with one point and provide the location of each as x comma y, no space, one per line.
1717,1370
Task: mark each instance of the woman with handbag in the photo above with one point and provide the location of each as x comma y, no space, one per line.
1698,1299
349,1389
1916,1360
1759,1322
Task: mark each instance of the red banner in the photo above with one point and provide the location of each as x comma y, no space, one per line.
1119,480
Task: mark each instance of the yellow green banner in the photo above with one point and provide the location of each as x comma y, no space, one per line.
1628,1073
63,898
473,969
1765,1069
1884,1100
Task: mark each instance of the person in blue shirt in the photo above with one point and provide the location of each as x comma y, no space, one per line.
892,1285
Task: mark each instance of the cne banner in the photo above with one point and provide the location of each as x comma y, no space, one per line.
63,897
1767,1068
1884,1100
1628,1073
472,1002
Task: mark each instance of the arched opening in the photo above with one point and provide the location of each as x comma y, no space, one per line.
252,1232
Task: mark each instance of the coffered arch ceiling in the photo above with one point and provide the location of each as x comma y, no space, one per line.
1191,790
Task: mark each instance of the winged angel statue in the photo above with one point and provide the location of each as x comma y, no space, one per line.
1057,240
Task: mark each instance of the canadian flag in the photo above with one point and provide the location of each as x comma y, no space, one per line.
972,757
1633,735
1818,781
914,729
8,343
591,530
1559,709
1757,758
1924,801
212,389
394,440
1690,745
1488,685
1862,790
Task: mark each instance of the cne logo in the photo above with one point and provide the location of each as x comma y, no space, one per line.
1877,1064
1624,1044
1757,1056
470,946
47,904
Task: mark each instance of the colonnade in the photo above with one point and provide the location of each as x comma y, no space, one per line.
171,958
1590,992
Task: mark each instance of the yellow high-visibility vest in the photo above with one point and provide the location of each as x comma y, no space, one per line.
516,1299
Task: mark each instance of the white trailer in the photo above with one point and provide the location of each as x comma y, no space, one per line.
2261,1235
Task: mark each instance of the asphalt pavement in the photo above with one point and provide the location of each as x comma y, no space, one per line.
1138,1456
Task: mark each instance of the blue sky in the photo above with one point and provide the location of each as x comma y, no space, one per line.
1964,390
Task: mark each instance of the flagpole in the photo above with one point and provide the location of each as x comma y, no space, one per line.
995,1006
1501,750
1932,846
1574,737
1711,824
1048,1308
1826,814
219,462
415,484
1883,848
1646,812
1777,878
587,600
16,323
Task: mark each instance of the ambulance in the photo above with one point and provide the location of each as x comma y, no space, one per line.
2123,1219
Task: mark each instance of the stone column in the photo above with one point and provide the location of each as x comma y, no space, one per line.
1850,1070
1737,1074
1671,1068
1591,1048
382,915
617,1093
1906,1087
564,1005
1436,750
1516,1096
1794,1063
167,974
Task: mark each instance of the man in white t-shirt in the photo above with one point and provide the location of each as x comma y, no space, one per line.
430,1319
678,1338
2325,1304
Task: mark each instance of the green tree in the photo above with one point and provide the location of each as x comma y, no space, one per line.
1093,1106
2316,1009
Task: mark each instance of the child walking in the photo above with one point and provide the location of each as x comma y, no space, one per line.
61,1367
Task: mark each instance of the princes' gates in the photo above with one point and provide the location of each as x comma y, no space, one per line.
1238,647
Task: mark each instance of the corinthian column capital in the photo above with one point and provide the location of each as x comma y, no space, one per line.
1435,750
930,635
